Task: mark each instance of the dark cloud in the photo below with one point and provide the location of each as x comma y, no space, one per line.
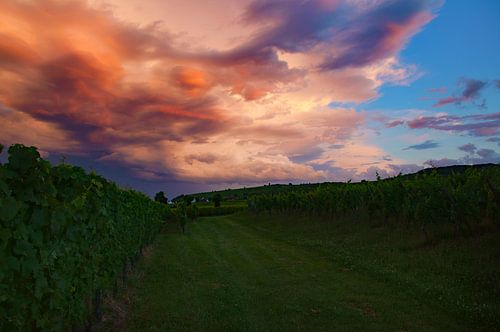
475,125
85,98
471,89
485,153
443,162
429,144
312,153
469,148
297,26
493,139
382,30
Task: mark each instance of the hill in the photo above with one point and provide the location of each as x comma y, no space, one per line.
246,192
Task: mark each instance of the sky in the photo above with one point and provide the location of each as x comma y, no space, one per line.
187,95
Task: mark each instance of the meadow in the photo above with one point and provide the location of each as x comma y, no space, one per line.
244,272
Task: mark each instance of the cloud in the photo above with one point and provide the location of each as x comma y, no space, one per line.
206,158
21,127
193,81
429,144
497,84
469,148
493,139
443,162
383,30
487,124
486,153
405,168
392,170
87,81
298,26
471,89
312,154
484,156
394,123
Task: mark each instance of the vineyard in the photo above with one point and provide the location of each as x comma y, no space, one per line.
68,238
462,199
65,238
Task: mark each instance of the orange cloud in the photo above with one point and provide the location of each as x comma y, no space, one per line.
157,101
192,81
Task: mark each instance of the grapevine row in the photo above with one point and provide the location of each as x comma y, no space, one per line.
462,199
65,236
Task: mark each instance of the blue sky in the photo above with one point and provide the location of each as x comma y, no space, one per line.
461,42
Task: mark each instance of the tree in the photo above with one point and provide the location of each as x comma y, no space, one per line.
160,197
217,199
187,199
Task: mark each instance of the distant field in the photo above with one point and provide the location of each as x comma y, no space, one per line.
247,273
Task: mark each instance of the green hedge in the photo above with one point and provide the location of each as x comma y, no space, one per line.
65,236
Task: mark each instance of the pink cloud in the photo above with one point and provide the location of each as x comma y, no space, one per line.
475,125
470,91
394,123
85,80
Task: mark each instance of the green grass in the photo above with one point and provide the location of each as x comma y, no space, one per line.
207,209
246,273
236,203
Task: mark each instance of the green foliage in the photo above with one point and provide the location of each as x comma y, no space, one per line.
161,198
217,199
187,199
192,212
244,193
64,234
184,212
426,198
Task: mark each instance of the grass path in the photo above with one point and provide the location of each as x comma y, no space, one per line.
226,276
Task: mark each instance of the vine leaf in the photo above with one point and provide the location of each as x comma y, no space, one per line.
9,208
